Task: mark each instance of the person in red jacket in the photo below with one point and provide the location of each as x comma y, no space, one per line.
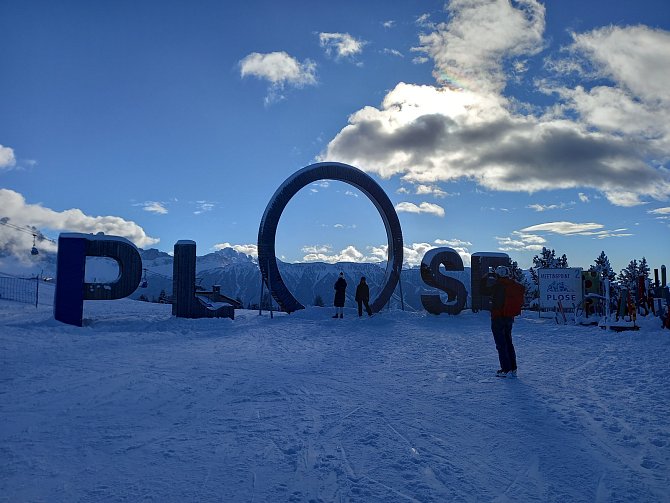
506,302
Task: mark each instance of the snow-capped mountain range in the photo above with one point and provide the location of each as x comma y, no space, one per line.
239,276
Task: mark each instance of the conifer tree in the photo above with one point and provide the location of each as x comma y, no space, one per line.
603,268
628,276
643,268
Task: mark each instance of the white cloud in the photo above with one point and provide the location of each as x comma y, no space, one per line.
20,213
154,207
636,57
462,247
583,197
424,207
388,24
545,207
431,189
479,37
317,248
564,228
412,253
453,243
204,207
520,241
424,21
7,158
394,52
247,249
576,229
350,193
280,70
660,211
342,45
468,129
322,253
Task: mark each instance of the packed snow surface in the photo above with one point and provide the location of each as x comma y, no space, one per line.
140,406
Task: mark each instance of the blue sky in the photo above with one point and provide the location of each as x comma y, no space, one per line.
491,125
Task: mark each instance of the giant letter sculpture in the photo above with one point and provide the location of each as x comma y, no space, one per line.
185,303
431,275
310,174
71,290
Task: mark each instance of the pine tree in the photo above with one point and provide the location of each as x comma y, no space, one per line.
603,268
162,297
628,276
643,268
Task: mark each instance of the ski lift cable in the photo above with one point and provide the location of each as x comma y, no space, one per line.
37,235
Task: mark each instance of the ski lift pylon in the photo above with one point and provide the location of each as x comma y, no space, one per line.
144,282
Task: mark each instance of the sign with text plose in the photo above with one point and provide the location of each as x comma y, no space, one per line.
564,285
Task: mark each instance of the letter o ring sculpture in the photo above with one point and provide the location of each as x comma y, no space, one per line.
309,174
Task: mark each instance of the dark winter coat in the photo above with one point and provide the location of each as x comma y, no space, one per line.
340,288
362,292
499,297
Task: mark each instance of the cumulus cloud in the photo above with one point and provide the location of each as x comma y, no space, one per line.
247,249
424,207
20,213
466,129
280,70
324,253
583,197
635,60
341,45
461,247
479,37
432,190
388,24
412,253
7,158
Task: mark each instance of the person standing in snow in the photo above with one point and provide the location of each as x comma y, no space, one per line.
363,297
340,289
506,303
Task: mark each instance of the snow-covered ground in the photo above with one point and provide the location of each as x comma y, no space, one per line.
141,406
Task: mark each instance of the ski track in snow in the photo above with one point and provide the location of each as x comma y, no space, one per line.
140,406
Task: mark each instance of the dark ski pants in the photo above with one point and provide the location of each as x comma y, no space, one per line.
502,334
367,307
